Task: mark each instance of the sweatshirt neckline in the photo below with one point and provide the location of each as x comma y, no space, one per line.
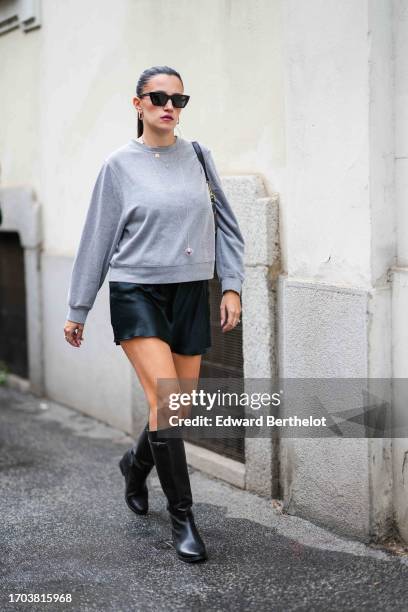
145,147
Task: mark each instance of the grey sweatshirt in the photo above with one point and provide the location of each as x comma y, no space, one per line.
150,220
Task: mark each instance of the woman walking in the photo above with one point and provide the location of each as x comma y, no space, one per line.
151,223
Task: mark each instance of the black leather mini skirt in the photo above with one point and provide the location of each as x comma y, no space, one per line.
178,313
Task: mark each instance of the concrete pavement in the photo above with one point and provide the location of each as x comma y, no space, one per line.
65,528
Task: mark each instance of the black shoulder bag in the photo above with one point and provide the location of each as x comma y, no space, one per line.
200,156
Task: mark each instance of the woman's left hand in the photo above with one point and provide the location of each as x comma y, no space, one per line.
230,310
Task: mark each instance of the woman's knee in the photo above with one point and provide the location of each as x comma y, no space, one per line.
153,362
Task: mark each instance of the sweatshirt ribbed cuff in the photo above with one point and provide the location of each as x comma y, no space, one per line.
77,315
233,283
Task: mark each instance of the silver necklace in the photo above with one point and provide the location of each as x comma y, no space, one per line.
188,250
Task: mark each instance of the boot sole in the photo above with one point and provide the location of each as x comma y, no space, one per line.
142,513
196,559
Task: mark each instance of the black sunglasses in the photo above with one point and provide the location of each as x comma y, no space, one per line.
160,98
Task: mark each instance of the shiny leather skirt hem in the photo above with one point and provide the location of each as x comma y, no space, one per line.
177,313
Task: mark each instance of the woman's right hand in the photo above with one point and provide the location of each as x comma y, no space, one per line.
73,333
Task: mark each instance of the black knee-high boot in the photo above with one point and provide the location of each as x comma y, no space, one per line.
135,466
171,465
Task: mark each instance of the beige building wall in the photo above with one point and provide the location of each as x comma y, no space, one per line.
67,93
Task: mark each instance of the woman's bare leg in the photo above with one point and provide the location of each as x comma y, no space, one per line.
188,371
151,358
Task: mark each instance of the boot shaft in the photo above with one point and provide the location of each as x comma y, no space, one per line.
171,465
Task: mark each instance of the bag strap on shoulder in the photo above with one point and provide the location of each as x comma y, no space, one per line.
200,156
